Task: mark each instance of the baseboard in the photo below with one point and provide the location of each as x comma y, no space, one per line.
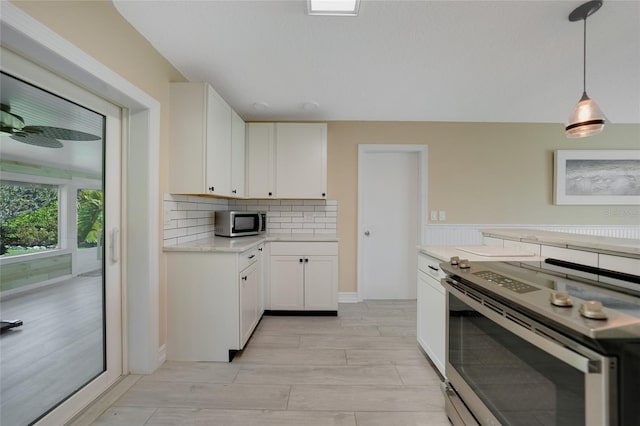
348,297
162,354
281,313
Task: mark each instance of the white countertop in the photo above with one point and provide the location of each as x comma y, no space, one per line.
240,244
445,253
620,246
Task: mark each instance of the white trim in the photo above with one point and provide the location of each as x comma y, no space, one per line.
27,36
348,297
423,154
162,354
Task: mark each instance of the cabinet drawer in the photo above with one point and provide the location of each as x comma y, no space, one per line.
247,258
304,248
492,241
626,265
528,247
430,266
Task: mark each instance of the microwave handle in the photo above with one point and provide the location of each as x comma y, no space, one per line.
260,224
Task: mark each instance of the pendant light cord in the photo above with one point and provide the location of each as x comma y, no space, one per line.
584,58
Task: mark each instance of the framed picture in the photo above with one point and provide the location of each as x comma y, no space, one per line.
597,177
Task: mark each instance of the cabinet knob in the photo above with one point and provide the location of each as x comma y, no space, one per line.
212,188
306,261
324,194
260,249
270,194
244,278
234,191
301,260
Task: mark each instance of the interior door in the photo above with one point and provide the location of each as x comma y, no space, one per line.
69,348
389,224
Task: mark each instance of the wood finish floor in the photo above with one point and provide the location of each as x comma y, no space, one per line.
57,350
362,368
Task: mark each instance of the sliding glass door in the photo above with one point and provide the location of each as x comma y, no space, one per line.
60,270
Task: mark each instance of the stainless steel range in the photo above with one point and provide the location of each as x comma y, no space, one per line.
525,347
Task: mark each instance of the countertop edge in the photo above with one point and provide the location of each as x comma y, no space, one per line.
592,243
240,244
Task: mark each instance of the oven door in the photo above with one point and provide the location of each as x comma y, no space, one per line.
511,370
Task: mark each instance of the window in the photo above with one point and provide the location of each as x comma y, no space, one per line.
29,217
90,217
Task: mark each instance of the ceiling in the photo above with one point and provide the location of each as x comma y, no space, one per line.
38,107
474,61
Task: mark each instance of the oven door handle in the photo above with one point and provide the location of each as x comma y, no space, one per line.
540,339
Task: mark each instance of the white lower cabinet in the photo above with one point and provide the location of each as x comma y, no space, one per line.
431,310
249,301
303,276
213,303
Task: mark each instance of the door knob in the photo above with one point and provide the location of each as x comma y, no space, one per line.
367,233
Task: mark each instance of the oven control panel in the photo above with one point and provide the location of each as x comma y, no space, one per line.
504,282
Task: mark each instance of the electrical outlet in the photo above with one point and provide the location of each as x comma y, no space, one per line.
434,215
442,215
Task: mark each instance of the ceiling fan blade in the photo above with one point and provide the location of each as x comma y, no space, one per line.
60,133
37,140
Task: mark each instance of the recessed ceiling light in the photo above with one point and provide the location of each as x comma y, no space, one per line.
310,106
333,7
261,106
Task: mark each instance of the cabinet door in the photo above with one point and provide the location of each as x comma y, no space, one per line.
321,283
301,160
237,155
431,327
249,302
287,282
187,147
218,145
260,160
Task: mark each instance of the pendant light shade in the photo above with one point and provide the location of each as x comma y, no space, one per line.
587,118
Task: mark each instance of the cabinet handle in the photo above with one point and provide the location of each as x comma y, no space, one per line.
431,267
252,256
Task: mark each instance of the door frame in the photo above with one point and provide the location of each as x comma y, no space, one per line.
140,193
422,152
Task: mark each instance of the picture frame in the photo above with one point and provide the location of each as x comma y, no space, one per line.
597,177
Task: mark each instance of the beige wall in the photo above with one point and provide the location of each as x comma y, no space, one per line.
98,29
479,173
504,165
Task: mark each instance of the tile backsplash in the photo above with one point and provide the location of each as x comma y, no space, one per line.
187,217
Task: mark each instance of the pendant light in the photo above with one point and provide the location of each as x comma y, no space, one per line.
587,118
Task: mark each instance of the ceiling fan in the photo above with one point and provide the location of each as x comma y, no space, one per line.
45,136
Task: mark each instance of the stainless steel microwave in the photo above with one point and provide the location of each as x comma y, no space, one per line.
239,224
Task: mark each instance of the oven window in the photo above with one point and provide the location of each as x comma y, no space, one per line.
245,223
519,383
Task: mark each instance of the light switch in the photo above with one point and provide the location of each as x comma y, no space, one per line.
434,215
442,215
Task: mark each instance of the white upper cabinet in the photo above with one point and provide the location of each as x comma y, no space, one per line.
260,160
237,155
287,160
200,160
301,160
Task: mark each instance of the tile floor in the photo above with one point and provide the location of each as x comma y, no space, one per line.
362,368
